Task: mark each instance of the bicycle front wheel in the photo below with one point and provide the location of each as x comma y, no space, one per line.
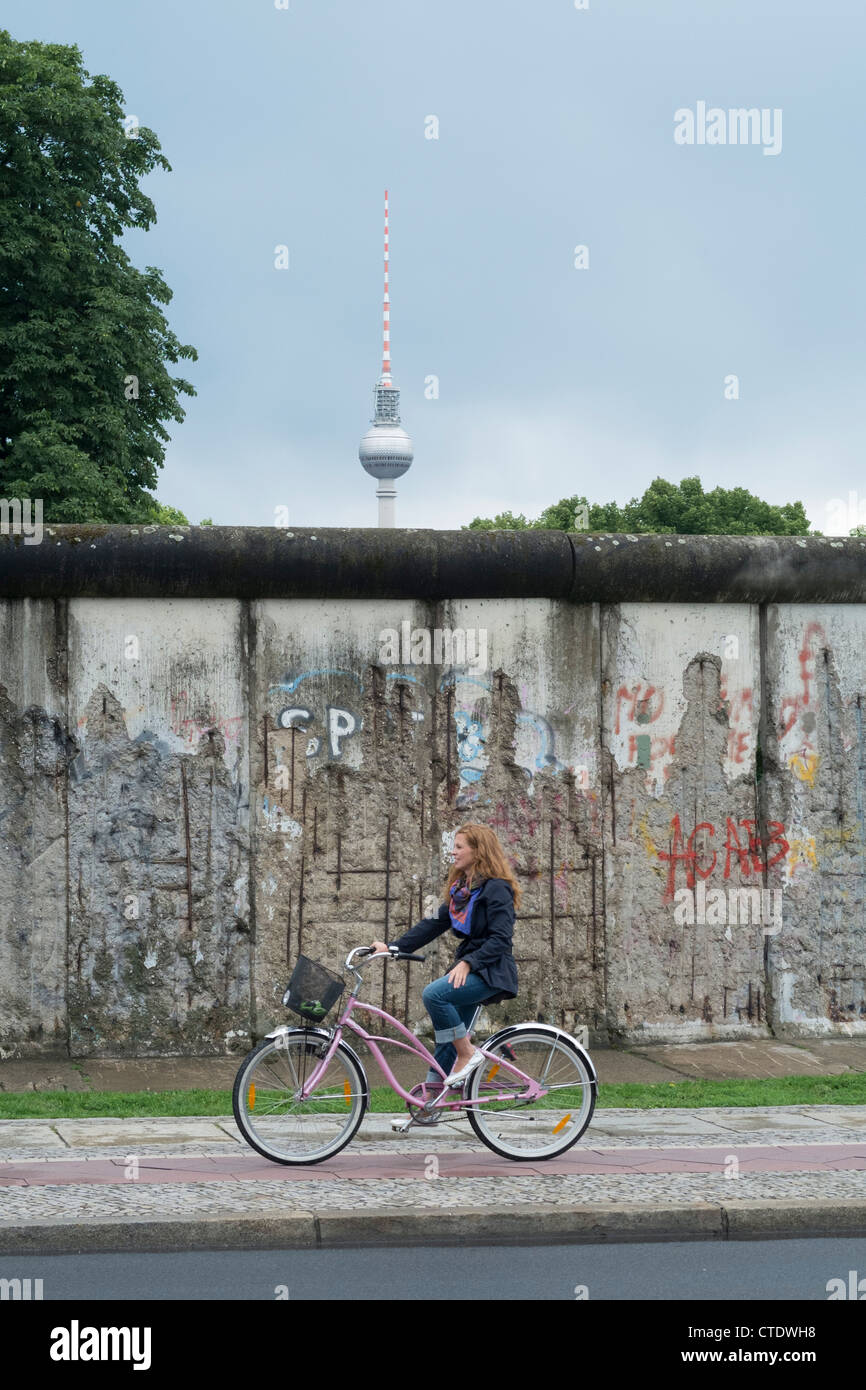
531,1129
267,1106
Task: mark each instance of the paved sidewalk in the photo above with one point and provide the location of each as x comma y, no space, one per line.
193,1183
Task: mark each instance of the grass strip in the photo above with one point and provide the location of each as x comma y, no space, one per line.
849,1088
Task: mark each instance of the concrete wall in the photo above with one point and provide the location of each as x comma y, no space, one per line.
194,788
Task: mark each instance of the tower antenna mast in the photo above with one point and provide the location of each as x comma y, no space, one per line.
386,312
386,449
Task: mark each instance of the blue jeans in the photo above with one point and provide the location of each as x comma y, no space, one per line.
451,1009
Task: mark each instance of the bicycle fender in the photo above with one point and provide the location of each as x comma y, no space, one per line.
513,1028
323,1033
290,1028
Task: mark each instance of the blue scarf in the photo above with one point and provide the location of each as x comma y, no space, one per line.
461,905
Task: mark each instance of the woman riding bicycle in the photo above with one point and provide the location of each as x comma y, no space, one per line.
481,894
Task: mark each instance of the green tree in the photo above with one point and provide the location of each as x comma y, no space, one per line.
669,508
84,386
169,516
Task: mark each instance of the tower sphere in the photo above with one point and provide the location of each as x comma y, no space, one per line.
386,451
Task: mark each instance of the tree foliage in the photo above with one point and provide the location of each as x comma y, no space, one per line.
169,516
670,508
84,386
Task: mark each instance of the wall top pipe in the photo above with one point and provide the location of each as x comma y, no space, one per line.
276,562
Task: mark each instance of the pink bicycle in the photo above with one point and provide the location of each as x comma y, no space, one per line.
301,1093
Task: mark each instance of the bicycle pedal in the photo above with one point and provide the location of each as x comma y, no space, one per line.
400,1126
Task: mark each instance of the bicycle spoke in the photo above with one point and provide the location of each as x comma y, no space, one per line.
280,1124
274,1108
268,1067
533,1126
549,1060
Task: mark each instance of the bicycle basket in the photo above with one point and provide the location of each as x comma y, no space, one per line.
313,990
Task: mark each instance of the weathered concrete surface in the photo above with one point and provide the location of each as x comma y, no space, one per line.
816,777
273,562
35,750
159,925
194,790
759,1058
680,721
369,770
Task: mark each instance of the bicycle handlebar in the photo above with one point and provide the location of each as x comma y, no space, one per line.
393,954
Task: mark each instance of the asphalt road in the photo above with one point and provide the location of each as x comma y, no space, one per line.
735,1271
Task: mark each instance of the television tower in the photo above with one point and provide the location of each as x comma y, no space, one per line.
386,449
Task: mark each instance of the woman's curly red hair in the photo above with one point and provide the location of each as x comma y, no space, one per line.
491,860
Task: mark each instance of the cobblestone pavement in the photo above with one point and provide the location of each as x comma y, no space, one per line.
626,1156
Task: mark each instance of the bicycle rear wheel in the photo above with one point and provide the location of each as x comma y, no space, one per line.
533,1129
269,1113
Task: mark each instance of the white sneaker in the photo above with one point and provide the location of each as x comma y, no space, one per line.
457,1077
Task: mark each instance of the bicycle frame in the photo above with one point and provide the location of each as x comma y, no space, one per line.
534,1092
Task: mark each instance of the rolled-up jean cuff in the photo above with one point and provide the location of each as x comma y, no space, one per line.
443,1035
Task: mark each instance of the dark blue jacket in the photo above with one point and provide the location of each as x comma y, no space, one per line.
487,949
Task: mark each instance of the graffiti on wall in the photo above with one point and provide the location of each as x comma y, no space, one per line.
703,852
338,723
797,718
189,721
743,848
640,705
636,708
740,720
331,729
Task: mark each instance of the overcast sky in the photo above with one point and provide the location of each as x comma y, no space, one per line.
556,129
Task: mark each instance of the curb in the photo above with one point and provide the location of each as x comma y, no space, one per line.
527,1223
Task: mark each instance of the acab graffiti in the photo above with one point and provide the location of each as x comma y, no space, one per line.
746,851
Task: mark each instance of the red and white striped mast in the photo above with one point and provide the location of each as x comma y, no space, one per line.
386,449
385,378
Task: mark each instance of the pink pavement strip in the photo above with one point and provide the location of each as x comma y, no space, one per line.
752,1158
